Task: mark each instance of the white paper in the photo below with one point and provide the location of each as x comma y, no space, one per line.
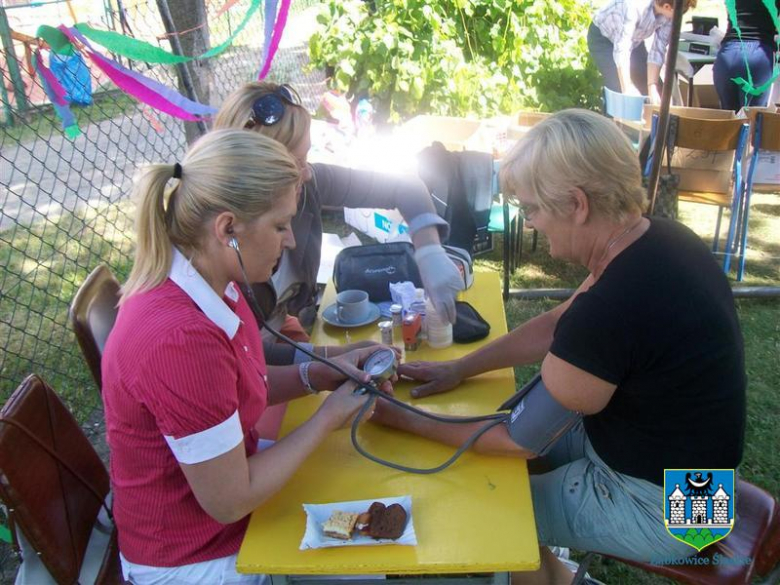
318,514
331,246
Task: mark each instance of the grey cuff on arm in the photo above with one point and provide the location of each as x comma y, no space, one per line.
428,219
278,354
301,357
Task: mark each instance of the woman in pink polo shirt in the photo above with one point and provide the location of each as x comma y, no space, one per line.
184,375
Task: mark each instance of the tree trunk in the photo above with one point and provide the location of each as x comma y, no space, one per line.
195,76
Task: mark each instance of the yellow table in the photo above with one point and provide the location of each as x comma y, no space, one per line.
474,517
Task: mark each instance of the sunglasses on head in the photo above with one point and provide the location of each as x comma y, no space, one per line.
268,109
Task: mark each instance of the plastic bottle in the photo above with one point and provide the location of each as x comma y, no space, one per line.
439,330
418,306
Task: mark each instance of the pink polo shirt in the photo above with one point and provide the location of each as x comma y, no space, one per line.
184,381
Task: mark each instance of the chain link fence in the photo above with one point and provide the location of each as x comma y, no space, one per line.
64,205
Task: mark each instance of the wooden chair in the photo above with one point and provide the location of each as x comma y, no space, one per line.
54,486
766,137
755,541
93,313
710,143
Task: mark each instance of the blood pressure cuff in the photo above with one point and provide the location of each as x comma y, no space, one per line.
537,420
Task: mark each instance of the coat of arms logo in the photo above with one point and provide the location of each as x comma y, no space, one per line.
699,505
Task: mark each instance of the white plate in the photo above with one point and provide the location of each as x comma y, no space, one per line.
330,315
318,514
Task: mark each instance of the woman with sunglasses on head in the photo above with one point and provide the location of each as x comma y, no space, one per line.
275,111
184,377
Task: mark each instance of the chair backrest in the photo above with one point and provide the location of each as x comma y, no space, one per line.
622,106
687,112
770,130
710,135
51,504
93,313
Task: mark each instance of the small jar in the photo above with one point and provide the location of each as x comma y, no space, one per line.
386,330
396,314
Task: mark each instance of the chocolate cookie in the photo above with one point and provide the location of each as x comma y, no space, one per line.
387,522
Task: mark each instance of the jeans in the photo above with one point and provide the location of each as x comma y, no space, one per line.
730,63
585,505
601,51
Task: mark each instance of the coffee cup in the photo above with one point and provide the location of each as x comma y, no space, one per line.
352,306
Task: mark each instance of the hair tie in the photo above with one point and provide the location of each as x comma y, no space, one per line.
177,171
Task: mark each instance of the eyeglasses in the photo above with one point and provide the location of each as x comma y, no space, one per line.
268,109
526,210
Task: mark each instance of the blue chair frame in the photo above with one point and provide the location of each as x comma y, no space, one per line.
737,200
759,133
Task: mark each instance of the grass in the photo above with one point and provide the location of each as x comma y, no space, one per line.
42,267
42,121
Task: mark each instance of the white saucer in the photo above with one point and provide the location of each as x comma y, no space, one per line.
330,316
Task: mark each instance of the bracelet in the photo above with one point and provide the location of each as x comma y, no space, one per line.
303,372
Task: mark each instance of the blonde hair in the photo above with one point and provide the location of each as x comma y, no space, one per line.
576,149
236,111
225,170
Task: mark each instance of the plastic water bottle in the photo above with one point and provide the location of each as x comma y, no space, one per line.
438,329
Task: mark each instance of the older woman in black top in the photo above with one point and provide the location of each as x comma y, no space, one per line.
648,350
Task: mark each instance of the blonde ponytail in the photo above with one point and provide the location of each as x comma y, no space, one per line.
153,247
226,170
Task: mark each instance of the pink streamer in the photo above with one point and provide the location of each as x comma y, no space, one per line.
225,7
142,88
58,92
281,21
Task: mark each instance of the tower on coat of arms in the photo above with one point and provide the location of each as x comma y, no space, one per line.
699,505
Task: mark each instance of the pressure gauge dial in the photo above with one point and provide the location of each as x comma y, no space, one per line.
381,365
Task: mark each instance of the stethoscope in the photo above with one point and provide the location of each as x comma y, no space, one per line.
381,366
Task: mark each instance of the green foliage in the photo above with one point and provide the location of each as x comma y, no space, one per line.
458,57
701,538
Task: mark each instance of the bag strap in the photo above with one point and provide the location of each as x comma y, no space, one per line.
61,461
671,140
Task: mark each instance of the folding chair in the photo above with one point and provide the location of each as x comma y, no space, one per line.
713,138
55,488
93,313
766,137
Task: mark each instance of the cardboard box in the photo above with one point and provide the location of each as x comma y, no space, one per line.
454,133
767,168
704,94
381,224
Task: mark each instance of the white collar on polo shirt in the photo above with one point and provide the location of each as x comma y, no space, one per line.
184,274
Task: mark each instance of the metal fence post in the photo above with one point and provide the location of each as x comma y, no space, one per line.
13,69
181,68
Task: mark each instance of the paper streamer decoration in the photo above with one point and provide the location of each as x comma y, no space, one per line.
56,94
57,41
58,91
270,50
143,51
142,88
747,85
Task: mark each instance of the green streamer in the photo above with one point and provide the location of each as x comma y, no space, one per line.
57,41
747,84
143,51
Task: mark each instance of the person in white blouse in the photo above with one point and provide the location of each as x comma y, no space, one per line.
616,41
